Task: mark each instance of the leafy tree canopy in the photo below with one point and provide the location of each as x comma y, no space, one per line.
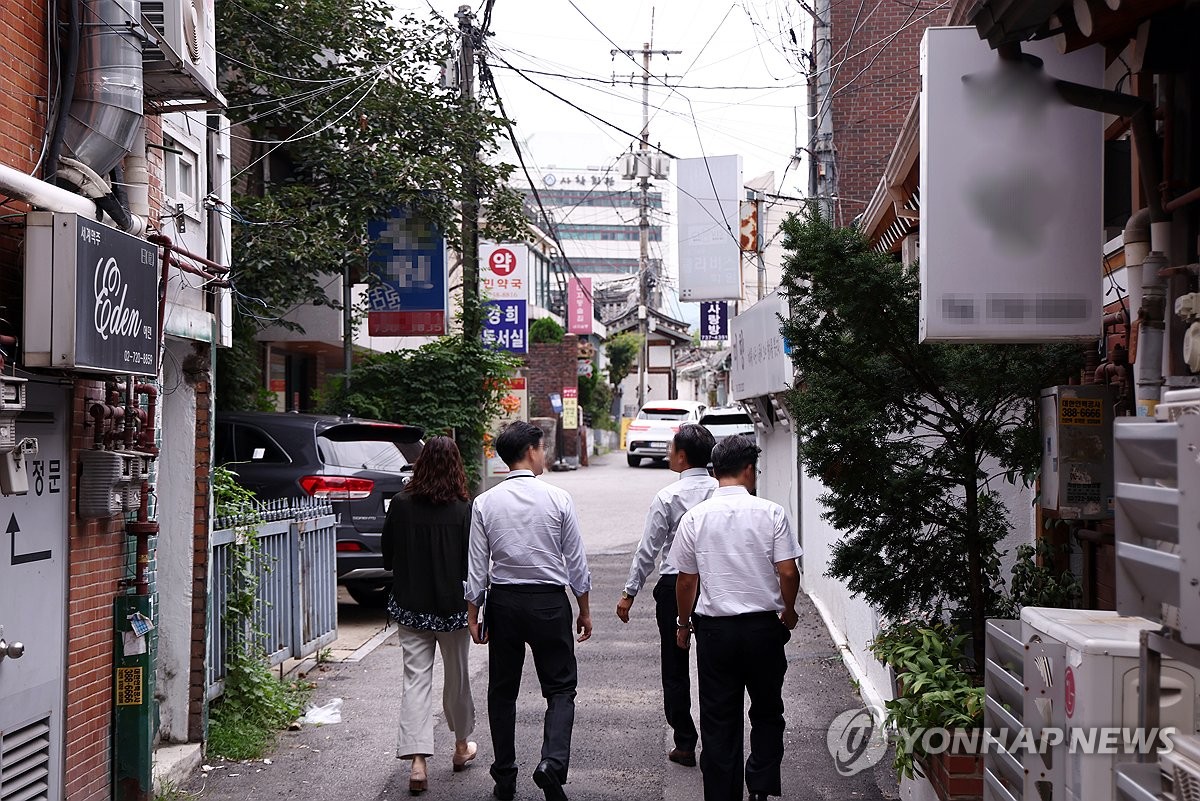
909,439
622,352
545,330
340,105
449,385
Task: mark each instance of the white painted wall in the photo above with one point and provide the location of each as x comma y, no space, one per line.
175,510
851,621
778,480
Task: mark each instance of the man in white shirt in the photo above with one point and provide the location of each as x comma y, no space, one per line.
688,454
525,543
741,552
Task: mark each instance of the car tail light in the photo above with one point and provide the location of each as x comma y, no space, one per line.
675,429
337,488
350,545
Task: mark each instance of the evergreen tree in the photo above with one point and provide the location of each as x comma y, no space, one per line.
908,439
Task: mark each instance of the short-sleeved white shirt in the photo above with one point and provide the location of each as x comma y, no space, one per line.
733,541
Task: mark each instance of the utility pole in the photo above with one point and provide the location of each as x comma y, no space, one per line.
646,275
472,314
822,183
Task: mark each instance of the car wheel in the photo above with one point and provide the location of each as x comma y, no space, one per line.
634,461
369,595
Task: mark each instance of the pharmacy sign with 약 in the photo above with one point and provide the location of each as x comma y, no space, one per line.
504,271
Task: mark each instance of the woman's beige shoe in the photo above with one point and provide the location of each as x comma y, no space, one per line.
461,760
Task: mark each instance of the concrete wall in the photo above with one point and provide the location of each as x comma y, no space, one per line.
176,494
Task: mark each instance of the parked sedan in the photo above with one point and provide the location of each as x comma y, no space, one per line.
726,421
356,464
654,427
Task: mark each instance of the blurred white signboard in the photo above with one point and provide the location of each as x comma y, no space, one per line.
710,191
1011,222
759,361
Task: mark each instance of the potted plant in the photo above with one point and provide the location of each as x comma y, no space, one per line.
937,713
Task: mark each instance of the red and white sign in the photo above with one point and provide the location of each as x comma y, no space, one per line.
504,271
579,306
513,406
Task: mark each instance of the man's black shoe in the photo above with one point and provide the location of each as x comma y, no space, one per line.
545,778
505,792
681,757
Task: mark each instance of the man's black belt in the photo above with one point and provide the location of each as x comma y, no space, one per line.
529,588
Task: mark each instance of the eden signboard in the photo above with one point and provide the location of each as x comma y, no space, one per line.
91,297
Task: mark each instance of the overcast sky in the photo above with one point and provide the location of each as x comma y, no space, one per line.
722,43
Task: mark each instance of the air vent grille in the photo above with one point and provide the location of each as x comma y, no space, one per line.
25,763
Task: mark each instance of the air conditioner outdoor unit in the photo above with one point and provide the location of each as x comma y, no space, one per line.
1099,678
184,64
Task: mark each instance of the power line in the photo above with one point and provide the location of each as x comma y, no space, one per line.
551,228
581,110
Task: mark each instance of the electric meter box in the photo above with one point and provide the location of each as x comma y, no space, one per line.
1077,464
1100,683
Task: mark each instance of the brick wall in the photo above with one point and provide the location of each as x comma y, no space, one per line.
874,81
549,368
97,566
22,118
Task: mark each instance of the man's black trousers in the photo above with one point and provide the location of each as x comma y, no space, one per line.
676,679
540,615
739,655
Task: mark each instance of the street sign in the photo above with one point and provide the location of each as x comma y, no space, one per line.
513,406
714,321
408,259
580,309
570,408
504,271
506,325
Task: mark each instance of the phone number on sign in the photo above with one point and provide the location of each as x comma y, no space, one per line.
132,356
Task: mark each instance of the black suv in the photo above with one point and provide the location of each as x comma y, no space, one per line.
356,464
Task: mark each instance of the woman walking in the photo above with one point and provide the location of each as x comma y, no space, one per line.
425,546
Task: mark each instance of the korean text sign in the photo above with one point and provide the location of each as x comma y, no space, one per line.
506,326
504,271
579,306
714,321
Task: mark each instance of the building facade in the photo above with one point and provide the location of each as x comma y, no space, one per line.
105,191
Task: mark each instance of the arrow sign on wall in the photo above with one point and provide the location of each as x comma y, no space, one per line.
14,528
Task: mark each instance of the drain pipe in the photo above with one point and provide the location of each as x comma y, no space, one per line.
1151,329
1136,238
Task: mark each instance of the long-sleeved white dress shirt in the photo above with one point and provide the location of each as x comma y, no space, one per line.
524,531
666,510
733,542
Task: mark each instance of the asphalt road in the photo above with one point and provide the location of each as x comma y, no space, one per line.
620,738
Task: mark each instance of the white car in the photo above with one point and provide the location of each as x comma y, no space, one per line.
725,421
654,427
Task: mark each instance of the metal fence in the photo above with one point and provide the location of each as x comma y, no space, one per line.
295,611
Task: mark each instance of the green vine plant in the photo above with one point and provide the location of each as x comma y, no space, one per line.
1036,582
255,704
935,688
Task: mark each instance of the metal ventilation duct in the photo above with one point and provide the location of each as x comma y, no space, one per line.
107,110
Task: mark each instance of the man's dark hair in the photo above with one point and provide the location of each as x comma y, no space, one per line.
695,442
732,454
515,440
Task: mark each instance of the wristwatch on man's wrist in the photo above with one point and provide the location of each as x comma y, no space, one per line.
683,624
625,596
